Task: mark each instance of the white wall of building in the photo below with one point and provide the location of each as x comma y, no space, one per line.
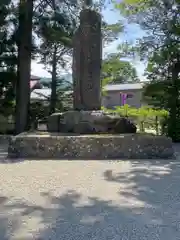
111,97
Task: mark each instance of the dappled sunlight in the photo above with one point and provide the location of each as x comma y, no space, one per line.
86,200
154,185
67,217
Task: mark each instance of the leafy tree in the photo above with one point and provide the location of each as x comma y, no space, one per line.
56,35
28,20
55,25
161,46
56,31
8,61
115,70
16,21
155,94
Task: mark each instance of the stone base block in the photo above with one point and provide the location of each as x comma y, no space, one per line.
89,122
125,146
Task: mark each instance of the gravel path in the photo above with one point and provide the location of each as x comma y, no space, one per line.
83,200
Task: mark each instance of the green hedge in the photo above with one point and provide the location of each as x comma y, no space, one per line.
144,117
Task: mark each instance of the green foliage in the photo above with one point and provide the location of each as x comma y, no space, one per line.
132,7
7,93
56,30
38,111
8,61
142,112
161,47
115,70
110,32
144,117
155,94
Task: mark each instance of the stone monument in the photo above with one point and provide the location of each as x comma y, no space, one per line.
87,117
80,133
87,56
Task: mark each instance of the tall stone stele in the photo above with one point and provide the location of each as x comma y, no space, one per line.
87,57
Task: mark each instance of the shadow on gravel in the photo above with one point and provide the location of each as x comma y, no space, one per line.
151,209
6,221
156,185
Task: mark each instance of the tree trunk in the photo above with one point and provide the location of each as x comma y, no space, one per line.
24,64
53,83
174,105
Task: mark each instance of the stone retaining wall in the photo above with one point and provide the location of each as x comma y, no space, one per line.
127,146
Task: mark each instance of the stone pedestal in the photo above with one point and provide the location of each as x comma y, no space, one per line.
87,57
71,147
89,122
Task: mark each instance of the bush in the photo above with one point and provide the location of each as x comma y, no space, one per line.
144,117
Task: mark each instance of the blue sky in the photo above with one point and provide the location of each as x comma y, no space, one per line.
130,34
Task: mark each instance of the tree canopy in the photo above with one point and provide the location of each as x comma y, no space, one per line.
115,70
41,30
161,48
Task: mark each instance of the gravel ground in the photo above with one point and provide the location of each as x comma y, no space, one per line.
83,200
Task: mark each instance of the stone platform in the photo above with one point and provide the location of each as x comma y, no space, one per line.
101,146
